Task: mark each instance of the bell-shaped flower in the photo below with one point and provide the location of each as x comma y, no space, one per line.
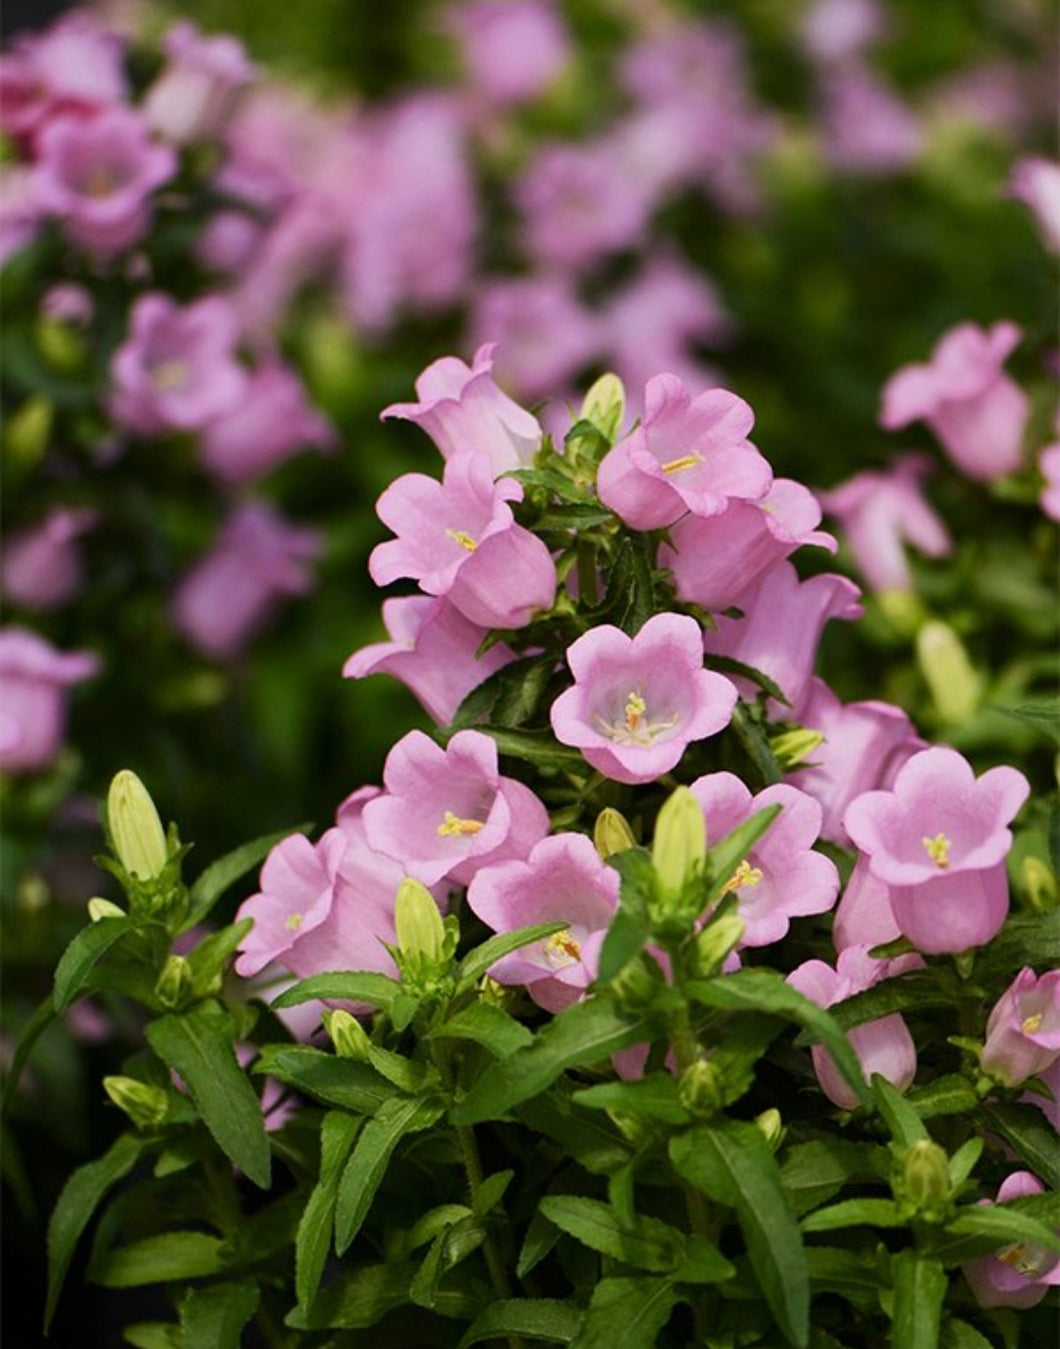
544,333
34,678
462,408
177,369
458,538
96,175
939,838
975,409
433,651
864,916
883,1046
781,877
193,97
511,50
879,513
688,454
40,567
638,702
1035,181
563,879
1023,1031
863,748
716,558
781,628
1019,1275
448,812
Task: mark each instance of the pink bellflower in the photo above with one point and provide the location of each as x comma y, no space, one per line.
1019,1275
1023,1030
40,567
193,97
34,678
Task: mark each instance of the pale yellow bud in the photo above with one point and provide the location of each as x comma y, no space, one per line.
347,1035
605,404
1039,883
145,1105
956,688
771,1126
103,908
792,748
716,940
612,833
417,922
135,829
679,848
175,982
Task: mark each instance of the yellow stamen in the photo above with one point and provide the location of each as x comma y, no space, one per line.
463,539
169,375
561,949
634,711
101,182
454,827
686,461
1032,1023
294,922
634,728
938,849
745,874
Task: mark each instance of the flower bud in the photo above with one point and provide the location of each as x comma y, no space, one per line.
28,432
60,344
145,1105
715,942
103,908
605,404
347,1035
701,1088
792,749
1038,882
175,982
612,833
633,985
955,686
679,848
771,1127
417,922
924,1188
902,609
136,832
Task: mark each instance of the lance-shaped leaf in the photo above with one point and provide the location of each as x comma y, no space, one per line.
629,1312
479,961
487,1026
920,1285
77,965
80,1197
367,1166
732,1164
214,1317
1024,1128
655,1095
166,1258
630,928
378,990
223,873
527,1318
649,1244
901,1119
337,1134
199,1045
762,990
812,1172
855,1213
334,1081
358,1299
583,1034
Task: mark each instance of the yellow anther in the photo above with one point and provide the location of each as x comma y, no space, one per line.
170,375
634,711
454,827
561,949
685,461
463,539
745,874
101,182
938,849
293,922
1032,1023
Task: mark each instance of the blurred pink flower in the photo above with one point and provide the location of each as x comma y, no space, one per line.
40,567
1036,182
866,128
1049,463
543,333
34,677
193,96
512,50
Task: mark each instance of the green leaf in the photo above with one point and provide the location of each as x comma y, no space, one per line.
835,1269
34,1028
764,990
650,1244
526,1318
755,742
632,584
963,1161
219,875
487,1026
631,926
1024,1128
378,990
337,1134
902,993
405,1074
582,1034
812,1172
73,974
166,1258
539,748
334,1081
479,961
509,697
1003,1224
732,1164
1043,715
656,1096
214,1317
358,1299
211,955
490,1193
960,1335
703,1263
904,1123
199,1046
920,1285
727,853
855,1213
1024,940
154,1335
367,1166
951,1094
729,665
428,1225
588,1139
80,1197
626,1312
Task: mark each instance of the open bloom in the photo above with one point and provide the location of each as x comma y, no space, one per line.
781,877
192,98
34,677
432,650
976,410
40,567
96,174
864,916
938,839
448,812
177,369
688,454
638,702
272,421
512,50
564,878
1020,1275
461,407
884,1046
458,538
880,512
1023,1032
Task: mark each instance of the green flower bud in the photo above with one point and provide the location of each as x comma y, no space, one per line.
612,833
793,748
136,832
103,908
28,432
679,848
145,1105
715,942
605,404
701,1088
634,985
1038,881
175,983
956,688
771,1127
417,923
902,610
924,1188
347,1035
60,344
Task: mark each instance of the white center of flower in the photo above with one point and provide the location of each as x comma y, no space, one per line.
452,826
938,849
464,539
635,727
168,376
561,950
